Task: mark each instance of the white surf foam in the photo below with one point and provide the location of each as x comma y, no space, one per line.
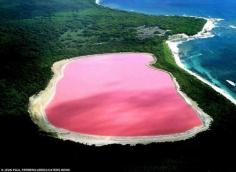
232,26
174,41
231,83
98,2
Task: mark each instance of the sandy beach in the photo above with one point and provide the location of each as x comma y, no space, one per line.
176,40
39,102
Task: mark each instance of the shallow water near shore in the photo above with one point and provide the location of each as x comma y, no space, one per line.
214,58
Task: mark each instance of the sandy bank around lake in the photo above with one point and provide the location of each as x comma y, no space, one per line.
39,102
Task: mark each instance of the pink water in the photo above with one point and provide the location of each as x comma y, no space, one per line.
119,95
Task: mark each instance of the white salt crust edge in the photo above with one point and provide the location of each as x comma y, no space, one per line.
38,103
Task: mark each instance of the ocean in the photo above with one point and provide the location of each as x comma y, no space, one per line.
213,58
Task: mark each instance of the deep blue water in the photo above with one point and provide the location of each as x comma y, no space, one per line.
212,58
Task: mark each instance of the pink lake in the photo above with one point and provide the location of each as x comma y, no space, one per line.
119,95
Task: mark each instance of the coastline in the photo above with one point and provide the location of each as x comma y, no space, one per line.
38,103
174,41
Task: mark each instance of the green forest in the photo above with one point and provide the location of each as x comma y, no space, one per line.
35,34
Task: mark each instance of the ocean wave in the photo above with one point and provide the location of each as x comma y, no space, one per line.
231,83
195,55
98,2
232,26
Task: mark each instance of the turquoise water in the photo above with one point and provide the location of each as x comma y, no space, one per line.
213,58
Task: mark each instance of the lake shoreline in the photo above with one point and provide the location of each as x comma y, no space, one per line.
39,102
